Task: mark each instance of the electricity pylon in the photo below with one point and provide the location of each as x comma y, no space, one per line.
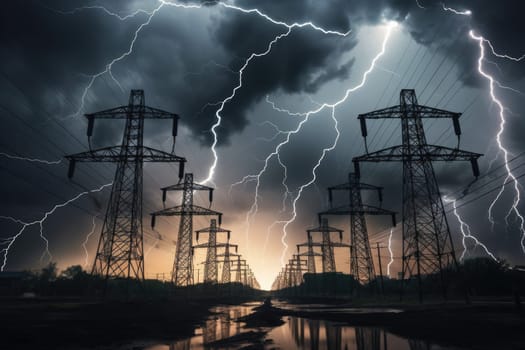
211,271
327,245
183,264
361,263
120,252
310,253
427,243
227,262
295,268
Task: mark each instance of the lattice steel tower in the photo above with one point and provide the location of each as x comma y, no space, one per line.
120,250
361,263
183,264
427,243
227,262
310,253
211,270
327,246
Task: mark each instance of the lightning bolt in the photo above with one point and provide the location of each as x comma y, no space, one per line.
390,252
505,56
457,12
390,26
109,66
84,244
466,232
8,242
505,153
33,160
501,114
289,27
152,13
306,116
101,8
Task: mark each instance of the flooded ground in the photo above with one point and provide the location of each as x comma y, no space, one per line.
221,331
334,309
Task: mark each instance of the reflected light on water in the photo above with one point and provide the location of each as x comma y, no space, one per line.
295,333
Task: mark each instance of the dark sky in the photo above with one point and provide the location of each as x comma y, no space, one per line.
188,60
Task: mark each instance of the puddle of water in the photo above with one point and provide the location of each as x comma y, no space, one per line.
220,325
334,308
296,333
301,333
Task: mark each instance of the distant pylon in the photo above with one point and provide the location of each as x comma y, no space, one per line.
183,265
211,271
227,262
362,265
310,253
427,243
120,252
327,246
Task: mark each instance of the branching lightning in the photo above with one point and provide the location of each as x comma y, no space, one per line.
466,232
109,66
502,109
152,13
505,153
390,26
390,251
32,160
84,244
7,243
306,116
101,8
457,12
505,56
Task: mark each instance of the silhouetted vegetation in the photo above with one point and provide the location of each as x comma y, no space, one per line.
480,277
74,281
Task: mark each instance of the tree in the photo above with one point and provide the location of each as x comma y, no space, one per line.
74,272
49,273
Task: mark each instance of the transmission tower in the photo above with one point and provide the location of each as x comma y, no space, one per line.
327,245
427,243
362,265
120,252
310,253
241,270
227,262
182,266
211,271
295,268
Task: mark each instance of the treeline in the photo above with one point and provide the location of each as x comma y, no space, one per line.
477,277
74,281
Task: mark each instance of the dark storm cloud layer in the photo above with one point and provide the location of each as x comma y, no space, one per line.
45,53
37,38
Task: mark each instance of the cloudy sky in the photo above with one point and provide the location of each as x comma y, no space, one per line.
61,59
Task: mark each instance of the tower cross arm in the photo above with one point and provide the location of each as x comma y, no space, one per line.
309,254
350,186
217,245
313,244
122,112
180,209
364,209
130,153
426,153
324,229
180,187
216,229
397,112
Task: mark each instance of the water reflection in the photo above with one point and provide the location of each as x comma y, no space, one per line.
296,333
308,334
221,325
